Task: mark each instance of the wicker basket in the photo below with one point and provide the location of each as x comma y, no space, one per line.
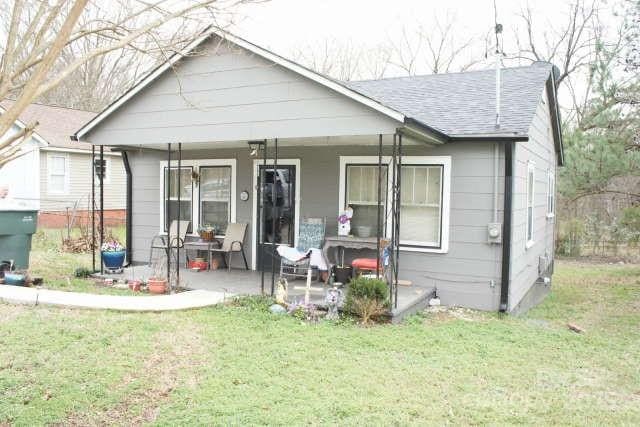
207,236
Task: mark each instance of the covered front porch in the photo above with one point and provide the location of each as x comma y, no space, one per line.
237,282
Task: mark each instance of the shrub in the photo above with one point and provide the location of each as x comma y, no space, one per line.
631,222
367,298
82,272
569,237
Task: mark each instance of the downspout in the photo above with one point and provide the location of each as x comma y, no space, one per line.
129,202
496,178
506,232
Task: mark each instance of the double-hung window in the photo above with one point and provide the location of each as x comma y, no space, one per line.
551,194
206,189
362,195
421,207
58,168
531,189
178,195
215,197
424,208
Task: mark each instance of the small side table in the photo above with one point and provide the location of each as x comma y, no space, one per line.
202,245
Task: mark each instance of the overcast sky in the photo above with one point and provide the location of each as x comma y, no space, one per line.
293,26
287,25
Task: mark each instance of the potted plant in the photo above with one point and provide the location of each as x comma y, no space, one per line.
113,254
157,283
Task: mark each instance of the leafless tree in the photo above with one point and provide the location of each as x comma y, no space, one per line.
428,49
570,47
332,57
47,41
433,48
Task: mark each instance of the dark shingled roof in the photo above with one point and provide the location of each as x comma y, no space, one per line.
464,104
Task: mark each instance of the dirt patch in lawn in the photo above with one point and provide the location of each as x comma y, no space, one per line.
9,312
173,362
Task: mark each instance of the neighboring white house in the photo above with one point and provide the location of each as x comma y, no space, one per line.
54,177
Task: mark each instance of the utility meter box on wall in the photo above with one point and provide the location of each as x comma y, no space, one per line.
494,232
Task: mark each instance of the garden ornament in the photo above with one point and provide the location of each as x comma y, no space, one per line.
344,222
333,300
281,291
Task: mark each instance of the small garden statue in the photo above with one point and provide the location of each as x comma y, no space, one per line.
344,222
281,291
333,300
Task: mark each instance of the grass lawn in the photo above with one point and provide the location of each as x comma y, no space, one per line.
238,364
57,268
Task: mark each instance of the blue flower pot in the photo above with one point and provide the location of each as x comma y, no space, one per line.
113,260
14,279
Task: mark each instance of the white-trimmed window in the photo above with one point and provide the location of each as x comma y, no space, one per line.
178,195
421,207
215,197
58,173
425,195
531,189
551,194
362,195
207,193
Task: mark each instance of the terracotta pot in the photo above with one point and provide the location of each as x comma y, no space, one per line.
157,286
134,285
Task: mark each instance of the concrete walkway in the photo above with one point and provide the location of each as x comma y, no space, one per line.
181,301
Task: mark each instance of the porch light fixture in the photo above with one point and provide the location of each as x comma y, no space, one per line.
254,148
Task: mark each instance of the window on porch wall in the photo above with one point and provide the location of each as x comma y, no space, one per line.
421,207
362,196
171,196
215,197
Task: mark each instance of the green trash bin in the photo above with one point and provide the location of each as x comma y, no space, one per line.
16,230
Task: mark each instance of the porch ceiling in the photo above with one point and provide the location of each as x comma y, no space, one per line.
364,140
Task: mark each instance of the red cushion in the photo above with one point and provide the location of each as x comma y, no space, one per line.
364,263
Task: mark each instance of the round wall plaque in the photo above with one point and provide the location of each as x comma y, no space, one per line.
244,196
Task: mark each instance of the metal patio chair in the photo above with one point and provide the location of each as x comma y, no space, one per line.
170,241
233,242
310,236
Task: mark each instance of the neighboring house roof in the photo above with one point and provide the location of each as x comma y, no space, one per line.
55,124
447,106
22,125
464,104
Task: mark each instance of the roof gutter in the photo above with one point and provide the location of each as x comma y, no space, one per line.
555,118
490,138
417,129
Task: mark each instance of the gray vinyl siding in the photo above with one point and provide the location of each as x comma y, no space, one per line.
228,94
463,275
79,190
540,150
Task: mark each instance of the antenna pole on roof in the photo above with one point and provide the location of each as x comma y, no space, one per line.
498,31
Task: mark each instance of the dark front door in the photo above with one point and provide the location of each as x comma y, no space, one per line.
276,212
